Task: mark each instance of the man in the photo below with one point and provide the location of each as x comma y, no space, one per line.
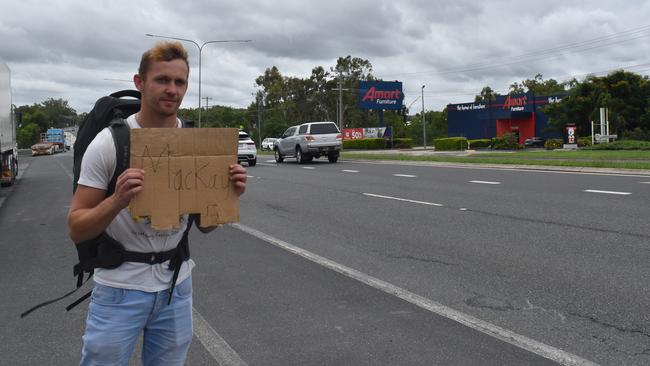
134,296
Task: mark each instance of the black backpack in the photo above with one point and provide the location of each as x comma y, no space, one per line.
110,111
105,252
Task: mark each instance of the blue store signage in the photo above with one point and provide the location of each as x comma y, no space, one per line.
380,95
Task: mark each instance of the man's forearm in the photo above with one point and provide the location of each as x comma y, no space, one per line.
88,223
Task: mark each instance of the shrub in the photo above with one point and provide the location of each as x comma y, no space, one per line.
450,143
507,141
636,134
622,145
402,143
480,143
551,144
365,144
584,141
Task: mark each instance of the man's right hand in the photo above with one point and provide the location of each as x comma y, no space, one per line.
128,184
91,212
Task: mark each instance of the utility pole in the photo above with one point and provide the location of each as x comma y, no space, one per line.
206,110
339,110
424,122
259,118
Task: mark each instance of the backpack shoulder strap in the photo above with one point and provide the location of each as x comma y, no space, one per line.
122,138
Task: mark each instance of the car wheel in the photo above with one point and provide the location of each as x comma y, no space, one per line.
299,156
278,157
252,162
333,158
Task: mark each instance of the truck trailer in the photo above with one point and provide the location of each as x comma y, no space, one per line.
8,146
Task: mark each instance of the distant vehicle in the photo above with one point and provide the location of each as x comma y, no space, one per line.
535,142
8,146
52,141
309,140
70,138
267,143
43,148
247,151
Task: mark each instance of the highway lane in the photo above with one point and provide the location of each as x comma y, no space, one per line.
348,323
555,281
534,253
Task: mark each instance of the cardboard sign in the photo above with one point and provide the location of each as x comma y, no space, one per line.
185,171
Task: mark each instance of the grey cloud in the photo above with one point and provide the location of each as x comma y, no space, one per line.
67,50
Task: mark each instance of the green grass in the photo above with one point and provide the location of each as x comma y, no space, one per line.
593,158
618,159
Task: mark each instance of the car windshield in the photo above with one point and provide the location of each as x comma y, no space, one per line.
323,128
243,136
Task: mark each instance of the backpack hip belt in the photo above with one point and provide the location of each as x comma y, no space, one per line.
108,253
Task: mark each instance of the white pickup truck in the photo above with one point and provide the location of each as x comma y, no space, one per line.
309,140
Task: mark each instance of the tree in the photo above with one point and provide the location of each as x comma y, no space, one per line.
28,135
58,112
625,94
487,95
349,71
37,117
537,86
294,100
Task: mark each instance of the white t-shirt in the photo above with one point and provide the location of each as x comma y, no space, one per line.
97,169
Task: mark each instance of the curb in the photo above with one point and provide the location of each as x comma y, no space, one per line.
548,168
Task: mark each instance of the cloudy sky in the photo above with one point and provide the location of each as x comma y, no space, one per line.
79,50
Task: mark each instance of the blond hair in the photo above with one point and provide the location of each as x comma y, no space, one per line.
162,51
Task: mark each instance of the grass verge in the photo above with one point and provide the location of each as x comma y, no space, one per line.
590,159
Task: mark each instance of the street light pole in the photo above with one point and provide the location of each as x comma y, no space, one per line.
424,121
200,47
416,99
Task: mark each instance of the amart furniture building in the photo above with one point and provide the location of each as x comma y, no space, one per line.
519,114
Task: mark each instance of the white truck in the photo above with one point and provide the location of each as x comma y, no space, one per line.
8,146
308,141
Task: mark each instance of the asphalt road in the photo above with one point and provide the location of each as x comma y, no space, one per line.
533,267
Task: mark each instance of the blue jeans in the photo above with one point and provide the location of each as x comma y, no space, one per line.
117,316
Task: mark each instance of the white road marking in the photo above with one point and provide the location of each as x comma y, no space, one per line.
405,175
644,182
65,170
350,171
403,199
308,167
482,326
271,161
607,192
213,343
250,176
541,170
483,182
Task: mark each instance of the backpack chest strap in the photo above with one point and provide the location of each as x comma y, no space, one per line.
149,258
